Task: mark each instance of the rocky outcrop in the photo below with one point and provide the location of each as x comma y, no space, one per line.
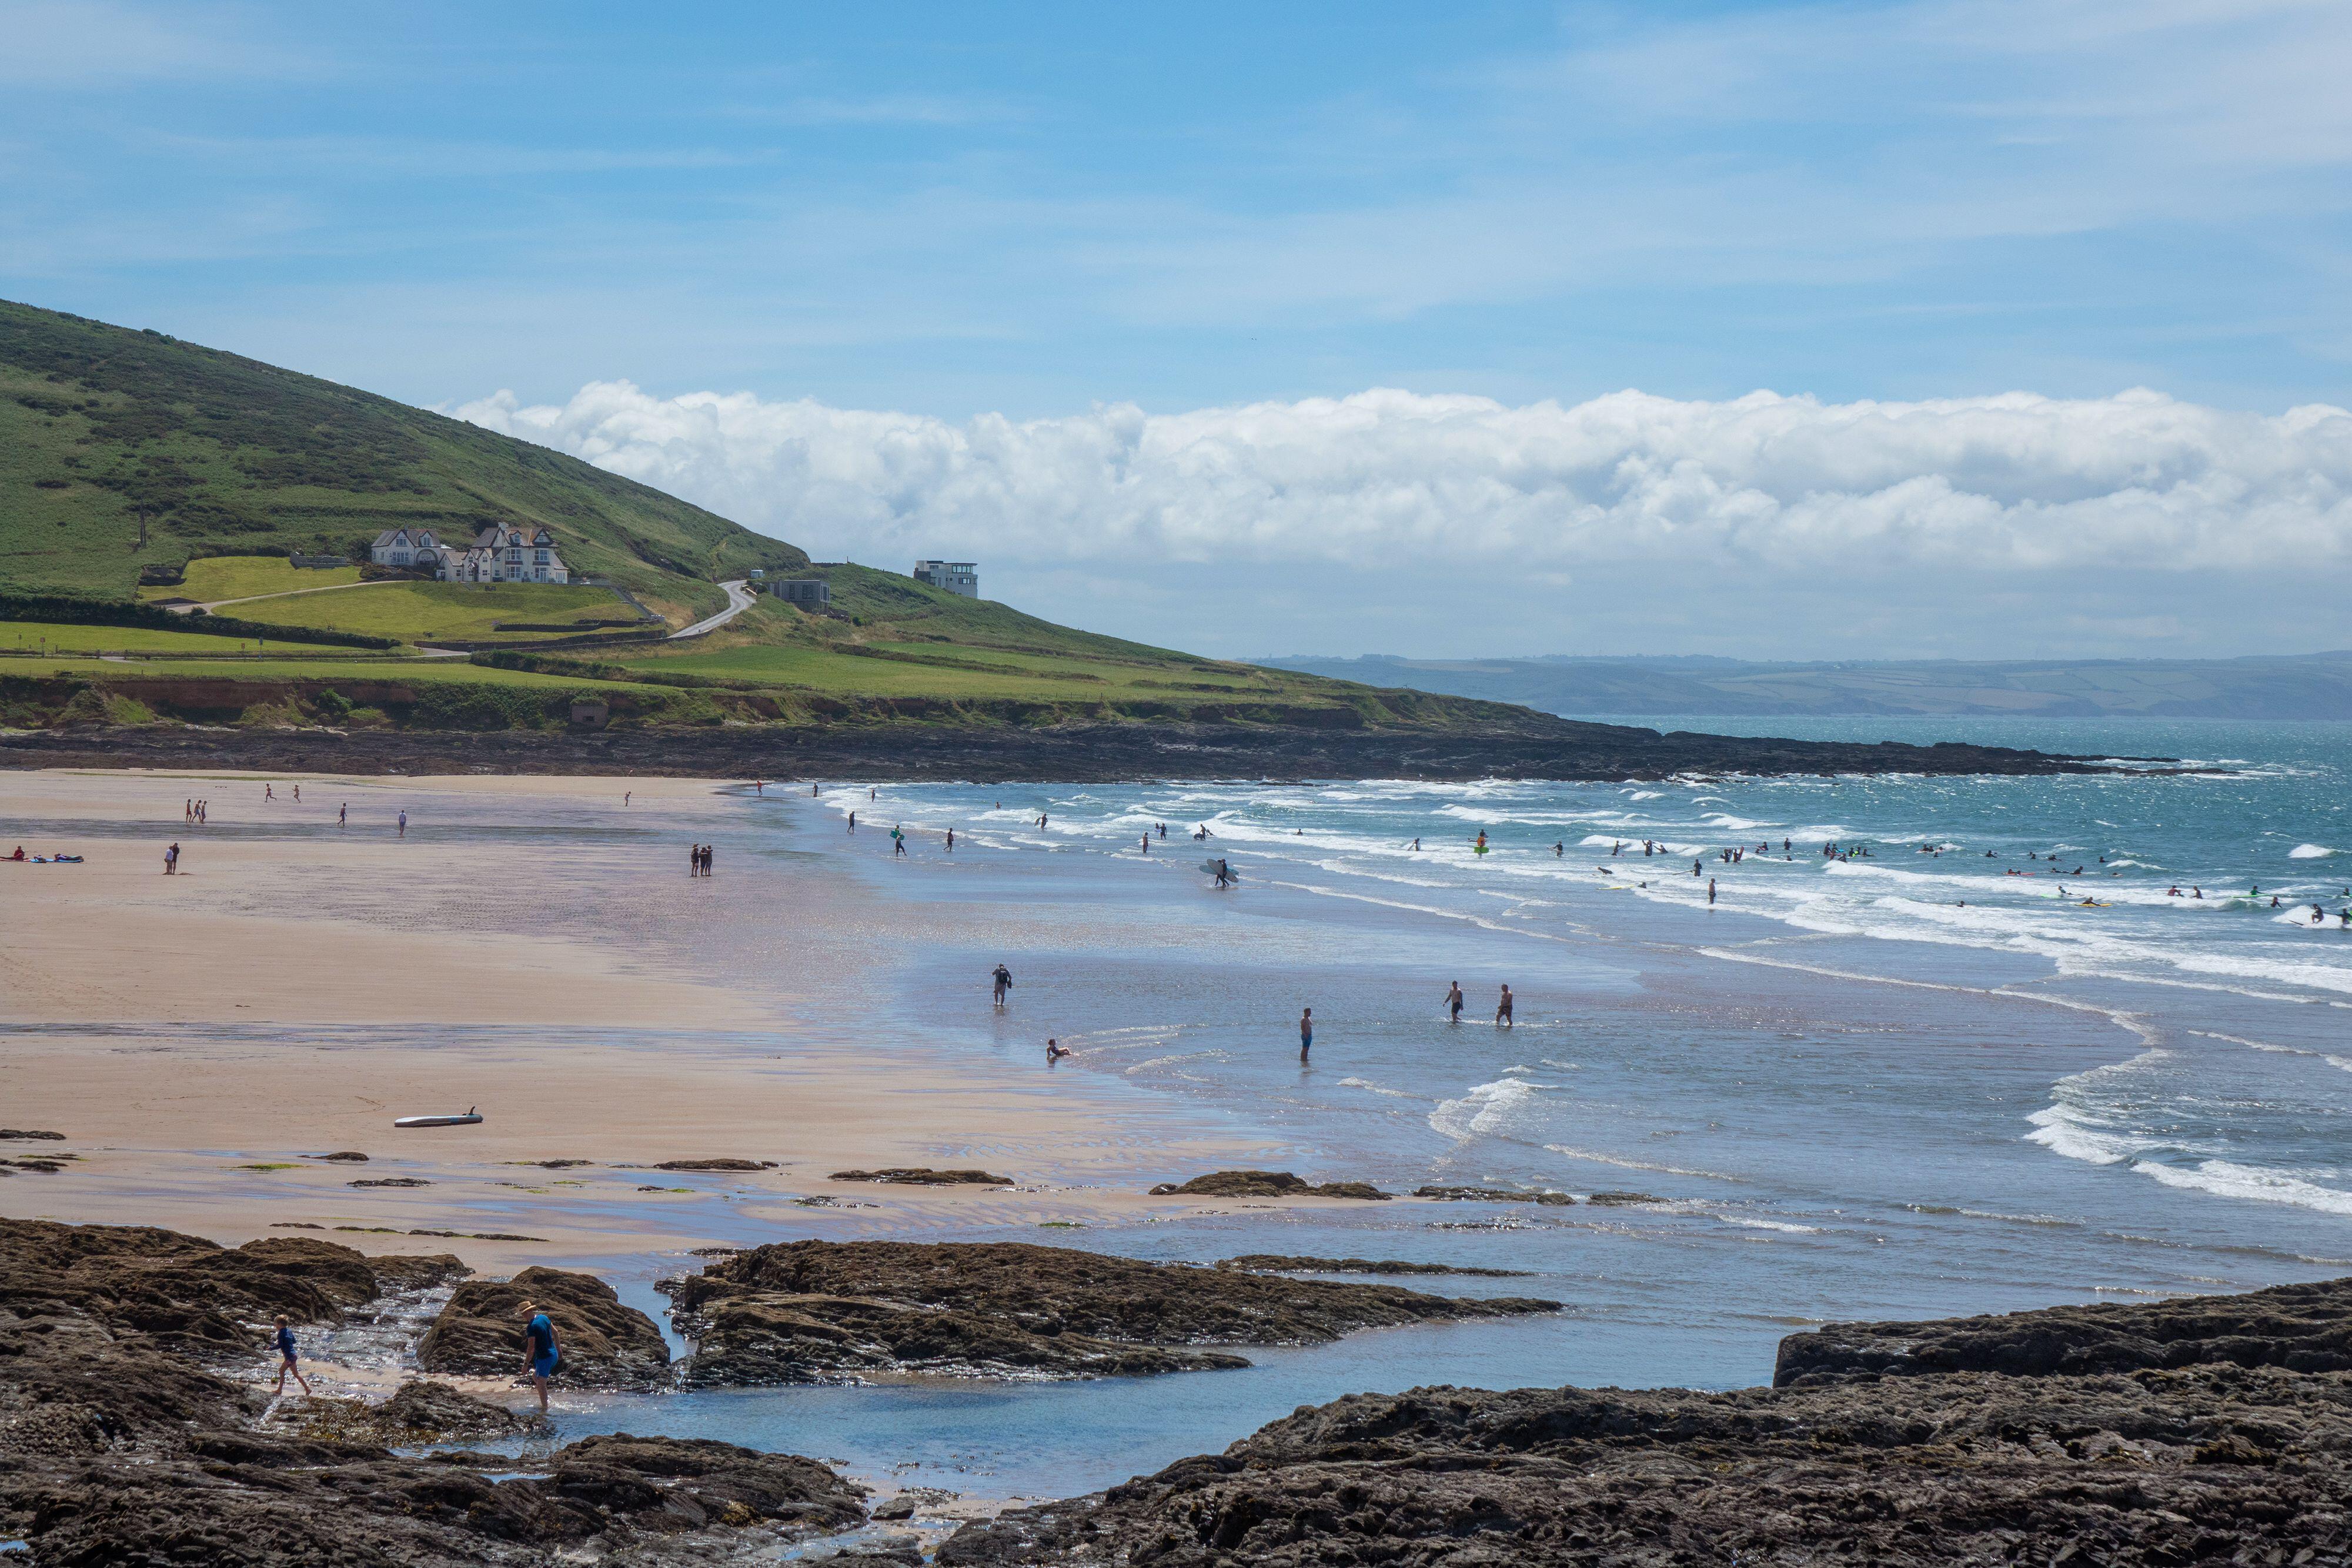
924,1176
1265,1183
812,1310
1289,1263
1492,1195
2304,1328
118,1451
8,1134
723,1164
420,1412
1525,745
2232,1457
604,1343
192,1294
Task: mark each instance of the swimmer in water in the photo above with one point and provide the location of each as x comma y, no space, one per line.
1054,1052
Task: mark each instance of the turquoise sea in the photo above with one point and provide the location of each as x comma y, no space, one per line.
1916,1078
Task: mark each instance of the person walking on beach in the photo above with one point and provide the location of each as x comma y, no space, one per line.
1306,1032
624,795
403,824
284,1339
1453,1001
1503,1010
343,815
950,841
1002,977
852,822
898,840
540,1351
298,794
268,793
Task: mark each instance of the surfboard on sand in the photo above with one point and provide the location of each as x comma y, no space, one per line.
1213,867
467,1120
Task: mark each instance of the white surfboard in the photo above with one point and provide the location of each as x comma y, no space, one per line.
467,1120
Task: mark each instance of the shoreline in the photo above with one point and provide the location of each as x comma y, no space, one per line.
1545,749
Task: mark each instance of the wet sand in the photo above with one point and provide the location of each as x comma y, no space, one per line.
300,984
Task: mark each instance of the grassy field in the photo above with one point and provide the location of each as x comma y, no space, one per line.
22,634
418,611
244,576
101,427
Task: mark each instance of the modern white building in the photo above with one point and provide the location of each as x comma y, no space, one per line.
955,576
503,552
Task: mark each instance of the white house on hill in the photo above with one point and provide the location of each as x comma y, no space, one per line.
503,552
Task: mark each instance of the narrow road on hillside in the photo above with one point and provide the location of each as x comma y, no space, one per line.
739,599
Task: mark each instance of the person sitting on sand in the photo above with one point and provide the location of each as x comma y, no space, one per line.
540,1351
19,854
284,1339
1054,1052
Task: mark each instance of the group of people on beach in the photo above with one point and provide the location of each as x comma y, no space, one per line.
697,860
193,811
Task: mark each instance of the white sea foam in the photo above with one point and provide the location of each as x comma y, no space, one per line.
2229,1179
1489,1110
1648,795
1369,1087
2309,852
1623,1163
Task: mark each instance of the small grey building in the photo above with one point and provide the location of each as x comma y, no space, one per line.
805,591
955,576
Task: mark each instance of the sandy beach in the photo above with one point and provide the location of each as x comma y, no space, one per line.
298,985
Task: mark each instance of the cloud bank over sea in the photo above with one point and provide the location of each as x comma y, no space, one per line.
1623,492
2012,481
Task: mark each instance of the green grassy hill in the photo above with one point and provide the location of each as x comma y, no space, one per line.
124,449
109,437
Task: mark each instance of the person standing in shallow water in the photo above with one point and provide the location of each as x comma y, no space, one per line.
1002,977
1306,1032
540,1351
1502,1009
1453,1001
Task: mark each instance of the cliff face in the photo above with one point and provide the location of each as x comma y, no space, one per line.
2207,1430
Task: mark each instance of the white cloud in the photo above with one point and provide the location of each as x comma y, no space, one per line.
1394,480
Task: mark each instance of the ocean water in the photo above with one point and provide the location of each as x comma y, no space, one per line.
1918,1078
1907,1083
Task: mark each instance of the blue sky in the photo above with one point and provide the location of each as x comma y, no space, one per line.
954,214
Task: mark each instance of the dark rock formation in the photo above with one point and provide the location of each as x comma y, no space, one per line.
716,1164
924,1176
117,1451
552,1165
390,1181
188,1293
2304,1328
1492,1195
346,1157
1264,1183
420,1412
1285,1264
2232,1457
810,1311
22,1132
604,1343
1529,746
1615,1200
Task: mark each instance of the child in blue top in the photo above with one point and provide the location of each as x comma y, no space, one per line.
539,1349
284,1339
